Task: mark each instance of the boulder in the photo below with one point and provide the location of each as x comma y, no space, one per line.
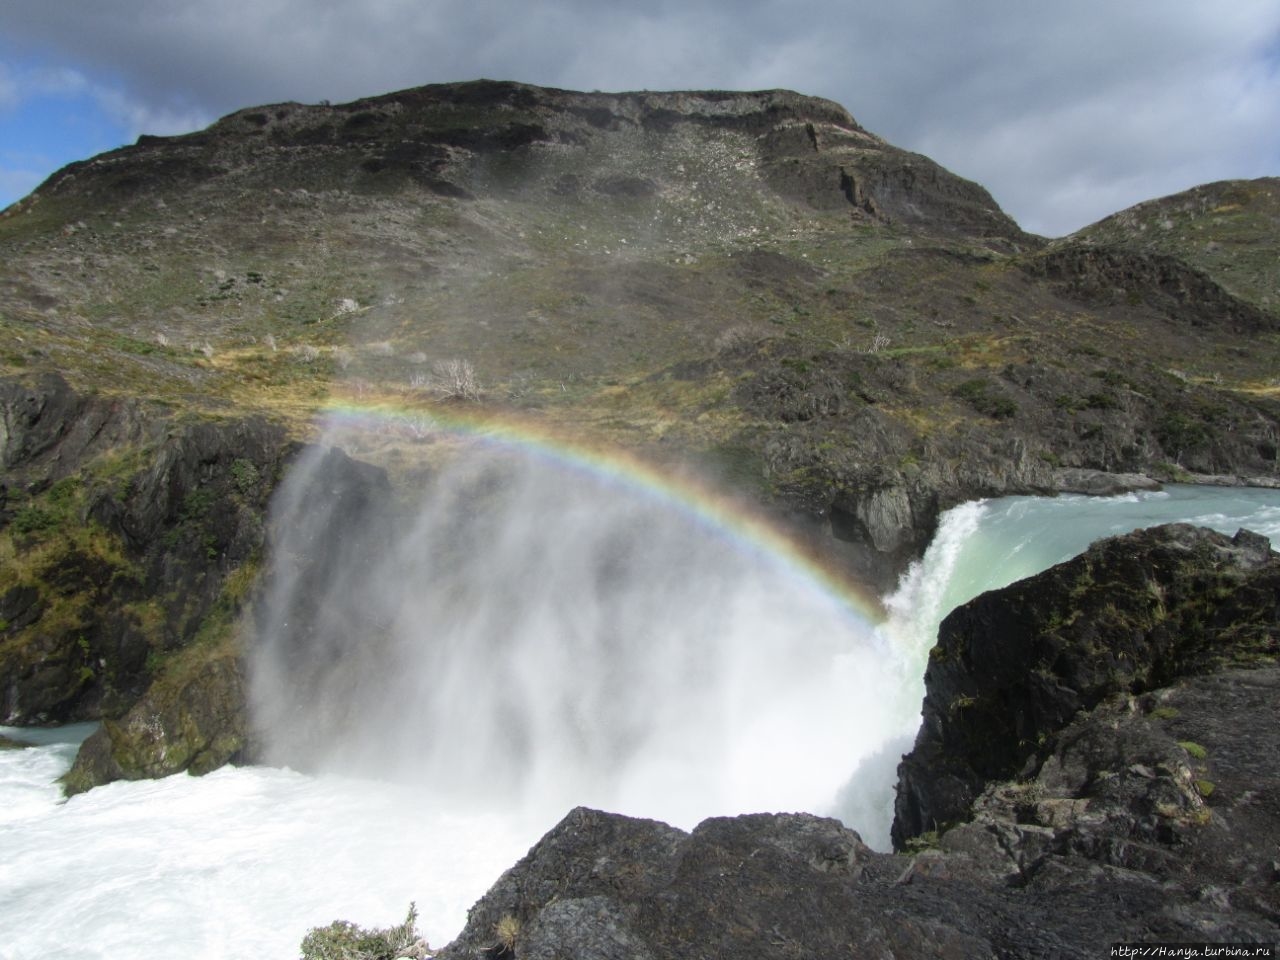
1131,614
1099,483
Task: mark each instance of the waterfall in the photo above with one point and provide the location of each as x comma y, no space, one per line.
530,636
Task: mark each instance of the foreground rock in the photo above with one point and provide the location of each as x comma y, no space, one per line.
1144,812
1014,666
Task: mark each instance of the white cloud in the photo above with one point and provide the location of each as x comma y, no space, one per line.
8,89
132,114
1061,165
137,117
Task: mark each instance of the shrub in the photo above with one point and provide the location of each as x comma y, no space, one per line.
977,393
456,380
1193,749
1179,433
507,930
245,474
734,337
34,520
343,940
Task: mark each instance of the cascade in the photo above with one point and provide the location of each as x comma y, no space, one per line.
533,634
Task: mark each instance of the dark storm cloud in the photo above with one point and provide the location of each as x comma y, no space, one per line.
1065,111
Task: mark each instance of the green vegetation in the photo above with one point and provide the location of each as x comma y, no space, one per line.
343,940
929,840
981,394
245,475
1194,750
53,511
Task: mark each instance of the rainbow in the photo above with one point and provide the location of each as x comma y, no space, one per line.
725,516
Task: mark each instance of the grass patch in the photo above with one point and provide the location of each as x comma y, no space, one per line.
1194,750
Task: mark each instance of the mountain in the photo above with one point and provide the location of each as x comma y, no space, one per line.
750,285
498,222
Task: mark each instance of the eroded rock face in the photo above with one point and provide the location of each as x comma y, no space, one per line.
48,427
136,539
1147,812
1108,273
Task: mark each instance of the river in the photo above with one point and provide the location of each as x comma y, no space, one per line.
240,863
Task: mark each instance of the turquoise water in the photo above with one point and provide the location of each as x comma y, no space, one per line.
1015,537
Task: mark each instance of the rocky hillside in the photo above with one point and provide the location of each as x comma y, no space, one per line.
1132,799
748,283
1225,230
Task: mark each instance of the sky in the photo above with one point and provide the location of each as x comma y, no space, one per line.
1066,111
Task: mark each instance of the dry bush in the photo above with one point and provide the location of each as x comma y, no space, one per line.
736,336
455,380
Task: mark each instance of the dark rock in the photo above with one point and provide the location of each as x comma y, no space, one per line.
47,429
1099,483
195,723
1168,787
1099,274
1132,613
148,532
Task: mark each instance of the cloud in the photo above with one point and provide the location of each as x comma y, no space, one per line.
8,89
1188,113
131,114
1055,108
51,116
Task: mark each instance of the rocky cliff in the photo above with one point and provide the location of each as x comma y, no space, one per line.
135,536
1131,698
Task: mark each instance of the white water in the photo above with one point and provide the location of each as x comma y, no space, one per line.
242,862
574,641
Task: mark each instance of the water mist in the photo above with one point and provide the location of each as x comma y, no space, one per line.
534,635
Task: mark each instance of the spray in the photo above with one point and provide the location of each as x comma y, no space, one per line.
531,636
